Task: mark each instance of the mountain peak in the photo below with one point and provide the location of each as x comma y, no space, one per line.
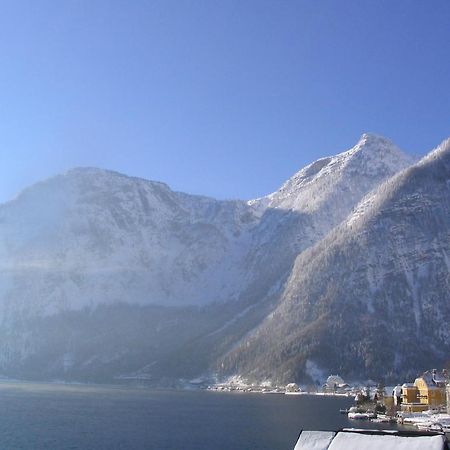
375,153
375,145
372,138
372,160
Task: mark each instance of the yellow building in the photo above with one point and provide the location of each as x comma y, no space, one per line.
431,388
410,393
410,399
428,391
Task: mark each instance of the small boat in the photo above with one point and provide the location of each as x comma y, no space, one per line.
344,411
429,426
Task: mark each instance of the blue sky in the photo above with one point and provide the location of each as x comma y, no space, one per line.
222,98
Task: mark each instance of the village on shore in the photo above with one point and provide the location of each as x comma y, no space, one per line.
424,403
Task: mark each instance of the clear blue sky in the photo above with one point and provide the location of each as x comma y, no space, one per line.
226,98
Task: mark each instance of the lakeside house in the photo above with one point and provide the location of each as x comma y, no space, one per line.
410,398
397,394
292,387
428,391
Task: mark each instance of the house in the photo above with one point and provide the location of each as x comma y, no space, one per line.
335,383
293,387
410,399
431,386
409,393
397,394
428,391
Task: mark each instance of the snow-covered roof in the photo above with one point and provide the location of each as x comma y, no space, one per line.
432,380
314,440
353,441
439,378
334,379
344,440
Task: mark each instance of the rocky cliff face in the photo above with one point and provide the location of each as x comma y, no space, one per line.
91,237
108,276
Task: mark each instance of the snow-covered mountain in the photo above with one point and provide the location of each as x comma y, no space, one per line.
105,275
371,299
314,201
91,237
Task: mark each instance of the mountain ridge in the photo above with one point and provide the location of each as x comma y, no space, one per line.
187,280
356,275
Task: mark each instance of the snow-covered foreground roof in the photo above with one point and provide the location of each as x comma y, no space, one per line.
327,440
314,440
348,441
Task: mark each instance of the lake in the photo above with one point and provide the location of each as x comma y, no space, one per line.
58,416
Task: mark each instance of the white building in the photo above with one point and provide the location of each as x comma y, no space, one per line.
334,383
292,387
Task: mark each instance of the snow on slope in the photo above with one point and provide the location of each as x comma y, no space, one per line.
315,200
372,298
373,157
93,236
330,187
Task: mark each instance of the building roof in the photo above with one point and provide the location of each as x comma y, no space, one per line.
432,380
349,441
314,440
334,379
353,439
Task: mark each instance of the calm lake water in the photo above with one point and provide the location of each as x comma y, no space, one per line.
50,416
